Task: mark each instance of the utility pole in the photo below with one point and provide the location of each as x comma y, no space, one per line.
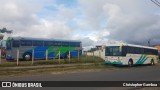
149,42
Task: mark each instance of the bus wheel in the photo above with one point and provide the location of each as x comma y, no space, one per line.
152,62
3,56
130,63
27,56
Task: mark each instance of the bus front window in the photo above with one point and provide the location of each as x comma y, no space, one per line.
8,44
113,51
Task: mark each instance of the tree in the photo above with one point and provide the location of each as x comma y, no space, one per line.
4,30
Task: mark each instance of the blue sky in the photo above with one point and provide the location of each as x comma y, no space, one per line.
67,3
52,10
52,7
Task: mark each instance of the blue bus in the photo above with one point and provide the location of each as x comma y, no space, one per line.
26,45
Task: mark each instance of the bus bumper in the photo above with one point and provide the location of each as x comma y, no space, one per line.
9,57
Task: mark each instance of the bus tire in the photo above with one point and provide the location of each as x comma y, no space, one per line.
152,62
3,56
130,63
27,56
67,55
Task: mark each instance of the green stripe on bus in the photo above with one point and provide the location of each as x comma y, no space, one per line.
145,58
141,62
63,50
50,49
138,62
142,59
117,63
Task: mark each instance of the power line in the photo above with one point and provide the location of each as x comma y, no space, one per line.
156,2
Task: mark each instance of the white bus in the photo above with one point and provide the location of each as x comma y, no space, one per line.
128,54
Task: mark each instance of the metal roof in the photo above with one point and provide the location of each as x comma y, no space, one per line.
43,39
132,45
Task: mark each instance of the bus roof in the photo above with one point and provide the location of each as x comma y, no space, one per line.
132,45
42,39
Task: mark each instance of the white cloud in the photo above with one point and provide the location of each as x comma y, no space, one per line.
92,21
25,22
64,13
132,21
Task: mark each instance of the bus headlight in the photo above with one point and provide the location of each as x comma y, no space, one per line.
8,55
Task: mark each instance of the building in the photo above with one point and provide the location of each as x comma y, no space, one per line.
158,47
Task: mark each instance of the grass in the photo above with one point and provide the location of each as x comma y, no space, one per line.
97,63
82,59
50,70
81,66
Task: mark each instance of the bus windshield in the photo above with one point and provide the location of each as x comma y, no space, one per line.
113,51
8,44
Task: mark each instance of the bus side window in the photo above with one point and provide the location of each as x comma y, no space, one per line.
72,44
124,50
57,43
77,44
15,43
131,50
137,50
26,43
48,43
127,49
106,51
65,44
142,51
37,43
148,51
156,52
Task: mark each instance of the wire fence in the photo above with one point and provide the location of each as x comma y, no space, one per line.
41,57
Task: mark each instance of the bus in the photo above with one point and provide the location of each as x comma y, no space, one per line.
128,54
38,47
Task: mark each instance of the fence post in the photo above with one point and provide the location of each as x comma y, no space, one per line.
17,57
53,56
93,53
32,56
46,55
69,56
86,57
59,56
0,56
78,56
93,57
